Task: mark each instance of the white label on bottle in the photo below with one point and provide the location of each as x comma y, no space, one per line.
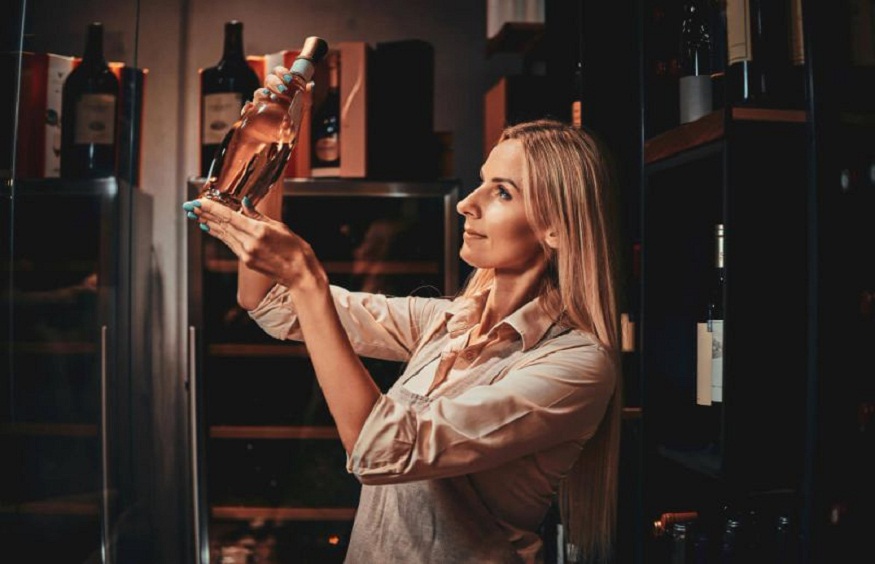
717,360
59,68
95,119
703,364
695,97
738,40
221,111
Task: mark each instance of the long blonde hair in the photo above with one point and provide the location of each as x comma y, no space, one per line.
572,193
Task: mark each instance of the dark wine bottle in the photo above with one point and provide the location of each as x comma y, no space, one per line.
89,114
757,35
695,62
326,125
224,89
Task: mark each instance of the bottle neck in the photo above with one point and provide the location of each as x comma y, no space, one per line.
93,54
233,49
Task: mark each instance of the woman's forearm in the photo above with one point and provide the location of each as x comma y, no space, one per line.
252,286
346,384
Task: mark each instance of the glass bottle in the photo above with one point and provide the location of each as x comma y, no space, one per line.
695,63
225,87
326,124
89,114
257,148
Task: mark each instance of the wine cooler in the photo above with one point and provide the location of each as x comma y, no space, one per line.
269,467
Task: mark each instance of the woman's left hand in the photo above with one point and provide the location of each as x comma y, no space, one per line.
260,243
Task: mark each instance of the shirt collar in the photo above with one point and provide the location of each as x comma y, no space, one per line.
530,321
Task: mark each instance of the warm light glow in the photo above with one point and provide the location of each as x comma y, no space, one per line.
334,540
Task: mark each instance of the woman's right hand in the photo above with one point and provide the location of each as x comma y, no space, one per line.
262,244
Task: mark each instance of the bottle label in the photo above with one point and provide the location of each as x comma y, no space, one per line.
704,346
221,111
327,149
695,97
577,114
738,40
95,119
716,360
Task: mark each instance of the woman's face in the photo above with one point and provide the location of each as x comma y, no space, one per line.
497,232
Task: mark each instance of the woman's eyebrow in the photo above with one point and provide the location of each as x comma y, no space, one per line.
500,180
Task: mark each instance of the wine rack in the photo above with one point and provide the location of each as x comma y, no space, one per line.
270,464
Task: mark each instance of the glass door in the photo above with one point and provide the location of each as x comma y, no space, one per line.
73,426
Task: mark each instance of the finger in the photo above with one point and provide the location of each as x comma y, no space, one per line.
281,71
276,85
248,209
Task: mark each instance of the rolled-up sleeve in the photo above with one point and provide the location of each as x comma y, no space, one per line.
378,326
560,396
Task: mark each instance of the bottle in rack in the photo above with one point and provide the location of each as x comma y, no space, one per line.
255,151
90,113
695,63
225,87
758,48
709,364
326,125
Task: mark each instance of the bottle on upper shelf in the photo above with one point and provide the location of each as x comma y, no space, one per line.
254,152
90,113
695,62
766,56
326,125
224,87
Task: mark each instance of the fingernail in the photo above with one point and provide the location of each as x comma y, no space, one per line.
287,78
281,87
188,206
273,96
204,227
196,203
191,215
247,202
265,91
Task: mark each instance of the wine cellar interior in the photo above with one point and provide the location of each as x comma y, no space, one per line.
147,419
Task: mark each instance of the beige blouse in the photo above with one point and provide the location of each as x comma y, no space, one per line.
466,471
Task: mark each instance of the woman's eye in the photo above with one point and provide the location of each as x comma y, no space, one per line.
502,193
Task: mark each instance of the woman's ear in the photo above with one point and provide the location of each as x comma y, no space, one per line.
552,239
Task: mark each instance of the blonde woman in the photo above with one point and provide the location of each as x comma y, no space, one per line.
511,392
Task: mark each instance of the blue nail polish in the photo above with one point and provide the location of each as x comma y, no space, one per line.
281,87
191,215
204,227
196,203
247,202
265,91
188,206
287,78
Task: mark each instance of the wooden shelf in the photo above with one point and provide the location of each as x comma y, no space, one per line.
272,432
85,505
297,350
72,347
249,513
49,429
710,128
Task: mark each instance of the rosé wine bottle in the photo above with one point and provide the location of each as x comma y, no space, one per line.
257,148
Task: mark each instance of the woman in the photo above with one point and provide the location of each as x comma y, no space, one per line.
511,391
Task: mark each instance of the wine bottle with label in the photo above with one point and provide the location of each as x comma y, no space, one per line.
89,116
255,151
225,87
758,45
709,365
326,125
695,63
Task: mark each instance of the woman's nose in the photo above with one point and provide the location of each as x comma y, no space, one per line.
466,205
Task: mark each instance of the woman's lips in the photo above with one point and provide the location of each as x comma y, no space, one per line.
468,234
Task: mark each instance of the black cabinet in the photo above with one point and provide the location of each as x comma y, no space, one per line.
269,466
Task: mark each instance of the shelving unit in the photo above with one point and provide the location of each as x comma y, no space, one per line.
270,461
